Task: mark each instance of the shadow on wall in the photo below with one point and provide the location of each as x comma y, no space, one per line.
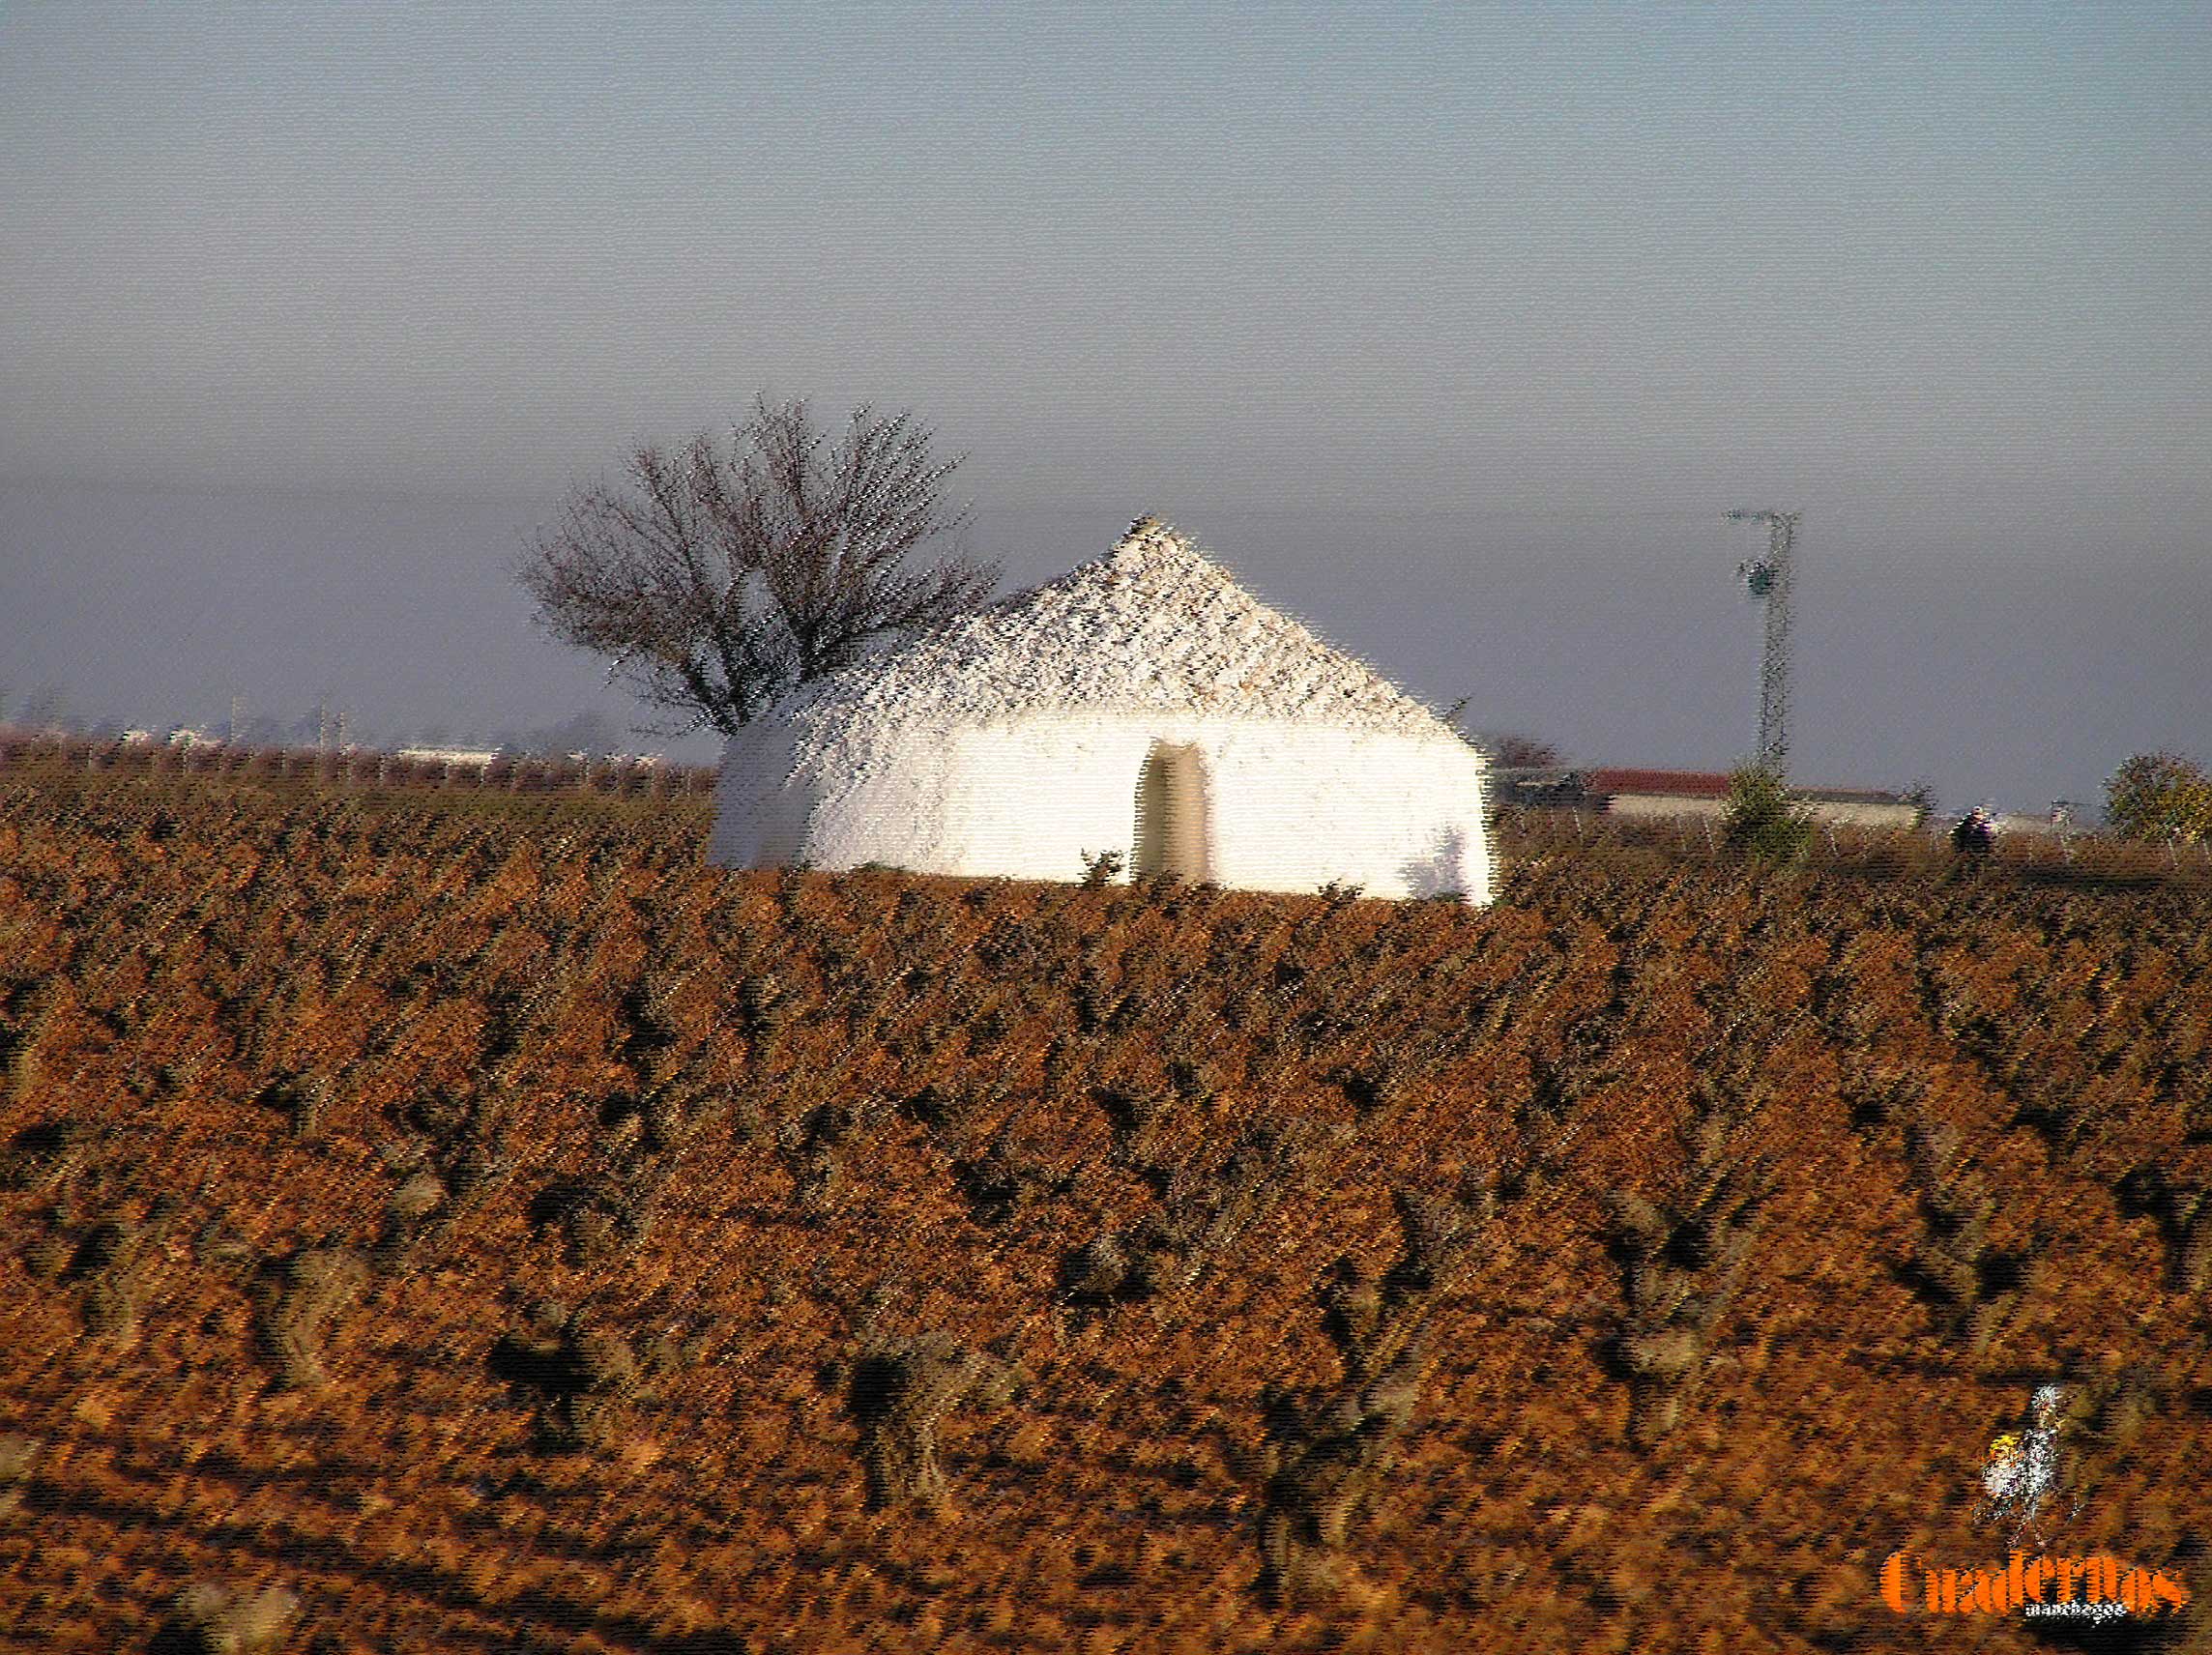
1435,875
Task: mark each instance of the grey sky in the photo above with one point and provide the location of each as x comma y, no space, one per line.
1453,331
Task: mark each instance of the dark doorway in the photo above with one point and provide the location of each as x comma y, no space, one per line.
1170,814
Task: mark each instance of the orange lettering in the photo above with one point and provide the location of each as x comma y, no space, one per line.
2170,1589
2069,1571
2015,1580
2104,1578
1989,1595
1893,1582
2034,1578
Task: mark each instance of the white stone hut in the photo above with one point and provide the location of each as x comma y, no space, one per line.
1143,703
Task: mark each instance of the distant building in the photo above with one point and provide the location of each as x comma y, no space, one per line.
185,736
2057,822
1704,793
476,757
1664,794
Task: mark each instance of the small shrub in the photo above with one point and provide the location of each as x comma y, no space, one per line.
112,1260
1921,795
2182,1209
578,1377
953,1115
22,1039
679,1110
814,1145
2160,795
1101,870
1878,1097
898,1391
304,1100
1973,1288
1202,1216
407,1216
309,1287
107,1260
1324,1456
1544,1117
1323,1464
2065,1108
48,1156
763,1009
220,1620
1682,1260
1001,1181
1136,1117
2113,1408
48,1256
1378,1081
223,1250
18,1458
594,1219
1761,821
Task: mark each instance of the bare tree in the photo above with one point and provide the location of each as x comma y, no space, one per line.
716,576
1511,750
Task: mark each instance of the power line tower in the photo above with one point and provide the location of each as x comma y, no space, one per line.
1767,579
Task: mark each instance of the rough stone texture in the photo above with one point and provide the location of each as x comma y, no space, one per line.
1010,742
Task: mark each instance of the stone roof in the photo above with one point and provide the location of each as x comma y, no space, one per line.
1152,626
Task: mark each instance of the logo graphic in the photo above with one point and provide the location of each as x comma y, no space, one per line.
2020,1475
2022,1480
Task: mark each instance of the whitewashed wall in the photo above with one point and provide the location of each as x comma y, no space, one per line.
1290,806
883,802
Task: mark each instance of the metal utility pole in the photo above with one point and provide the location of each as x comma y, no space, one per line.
1767,579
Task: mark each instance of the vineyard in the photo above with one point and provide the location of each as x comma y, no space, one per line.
441,1221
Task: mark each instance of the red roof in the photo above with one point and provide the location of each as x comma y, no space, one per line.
1693,784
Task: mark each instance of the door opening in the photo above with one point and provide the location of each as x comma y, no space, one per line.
1170,814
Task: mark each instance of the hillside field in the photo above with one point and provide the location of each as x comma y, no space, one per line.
433,1223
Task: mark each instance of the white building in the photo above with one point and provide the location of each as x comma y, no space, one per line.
1143,704
463,758
1672,793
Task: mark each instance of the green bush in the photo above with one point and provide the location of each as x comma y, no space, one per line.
2160,795
1761,819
